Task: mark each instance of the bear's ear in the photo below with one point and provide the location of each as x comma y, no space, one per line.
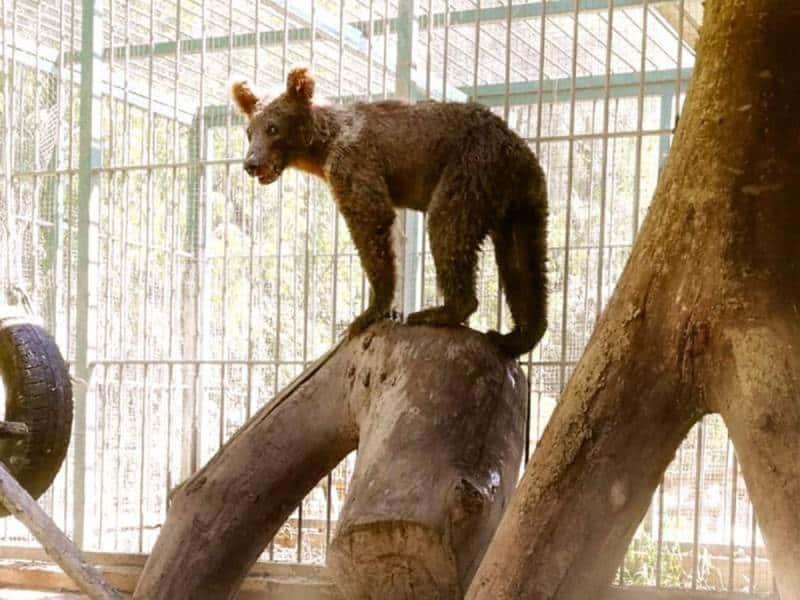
243,97
300,85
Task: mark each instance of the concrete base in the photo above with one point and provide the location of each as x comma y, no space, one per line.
32,577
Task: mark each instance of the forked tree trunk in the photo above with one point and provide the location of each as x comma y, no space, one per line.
705,318
438,418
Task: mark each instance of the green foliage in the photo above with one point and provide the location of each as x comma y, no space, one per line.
641,562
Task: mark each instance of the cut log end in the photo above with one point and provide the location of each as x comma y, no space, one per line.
396,560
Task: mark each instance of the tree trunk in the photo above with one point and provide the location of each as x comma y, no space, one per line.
438,417
758,395
704,319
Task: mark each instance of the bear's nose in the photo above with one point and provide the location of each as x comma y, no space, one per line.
250,166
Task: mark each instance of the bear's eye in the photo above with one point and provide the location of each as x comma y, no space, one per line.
272,130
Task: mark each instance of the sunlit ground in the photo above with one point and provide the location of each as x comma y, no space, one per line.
11,594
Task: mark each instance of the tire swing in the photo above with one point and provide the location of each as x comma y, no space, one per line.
36,429
34,437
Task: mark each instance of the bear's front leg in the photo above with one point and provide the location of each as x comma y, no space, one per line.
369,215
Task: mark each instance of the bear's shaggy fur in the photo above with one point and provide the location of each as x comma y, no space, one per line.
458,162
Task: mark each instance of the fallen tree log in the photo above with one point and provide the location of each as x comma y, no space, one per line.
18,502
438,418
705,318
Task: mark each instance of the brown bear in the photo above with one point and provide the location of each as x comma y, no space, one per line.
457,161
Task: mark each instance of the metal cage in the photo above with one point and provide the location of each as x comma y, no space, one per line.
185,297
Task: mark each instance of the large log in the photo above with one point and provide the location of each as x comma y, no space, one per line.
438,417
705,318
439,454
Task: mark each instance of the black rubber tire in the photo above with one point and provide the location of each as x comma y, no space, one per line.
39,394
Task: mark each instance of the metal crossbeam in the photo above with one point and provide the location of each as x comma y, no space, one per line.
354,33
45,60
499,14
621,85
592,87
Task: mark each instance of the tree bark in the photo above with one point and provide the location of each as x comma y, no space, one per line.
438,417
704,319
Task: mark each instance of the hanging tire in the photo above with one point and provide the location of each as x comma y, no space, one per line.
38,394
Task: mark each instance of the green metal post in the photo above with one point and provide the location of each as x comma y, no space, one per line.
666,123
404,89
88,216
192,306
405,49
52,196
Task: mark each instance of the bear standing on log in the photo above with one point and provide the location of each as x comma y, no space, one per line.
458,162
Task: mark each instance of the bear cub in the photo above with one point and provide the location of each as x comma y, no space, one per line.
458,162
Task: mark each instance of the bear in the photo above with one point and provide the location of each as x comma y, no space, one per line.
457,161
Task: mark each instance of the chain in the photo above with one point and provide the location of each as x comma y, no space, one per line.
17,296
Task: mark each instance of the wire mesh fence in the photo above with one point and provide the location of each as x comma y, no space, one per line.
186,296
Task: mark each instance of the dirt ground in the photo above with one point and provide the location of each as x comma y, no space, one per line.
15,594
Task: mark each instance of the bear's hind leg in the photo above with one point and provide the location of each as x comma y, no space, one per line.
456,228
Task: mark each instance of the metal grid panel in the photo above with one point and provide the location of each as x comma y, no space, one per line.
188,296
